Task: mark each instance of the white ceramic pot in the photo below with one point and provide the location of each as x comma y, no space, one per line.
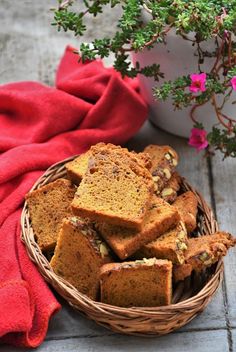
177,58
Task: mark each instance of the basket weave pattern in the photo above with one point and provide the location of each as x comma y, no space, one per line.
190,297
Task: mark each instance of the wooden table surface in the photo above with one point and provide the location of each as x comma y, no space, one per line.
30,50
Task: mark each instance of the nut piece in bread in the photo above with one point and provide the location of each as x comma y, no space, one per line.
141,283
78,256
160,217
48,206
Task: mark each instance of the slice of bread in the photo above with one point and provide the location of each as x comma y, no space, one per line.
180,272
164,160
169,192
77,168
159,218
78,256
172,246
48,206
143,283
202,252
116,188
186,204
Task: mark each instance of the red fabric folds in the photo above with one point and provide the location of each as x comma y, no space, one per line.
40,125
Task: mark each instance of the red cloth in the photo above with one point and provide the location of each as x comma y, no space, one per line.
40,125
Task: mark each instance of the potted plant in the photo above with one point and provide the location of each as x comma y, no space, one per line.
184,53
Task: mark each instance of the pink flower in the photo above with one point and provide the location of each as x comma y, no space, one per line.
198,82
198,139
233,82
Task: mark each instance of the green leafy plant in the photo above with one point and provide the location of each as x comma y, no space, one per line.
205,18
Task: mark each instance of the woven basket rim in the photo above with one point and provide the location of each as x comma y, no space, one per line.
91,307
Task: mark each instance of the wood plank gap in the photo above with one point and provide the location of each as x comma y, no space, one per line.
199,330
85,336
90,336
224,289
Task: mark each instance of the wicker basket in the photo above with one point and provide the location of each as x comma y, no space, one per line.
190,297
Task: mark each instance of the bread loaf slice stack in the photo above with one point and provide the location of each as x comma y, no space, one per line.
160,217
122,226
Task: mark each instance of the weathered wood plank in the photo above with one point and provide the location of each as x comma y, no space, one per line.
70,323
207,341
234,340
30,48
225,199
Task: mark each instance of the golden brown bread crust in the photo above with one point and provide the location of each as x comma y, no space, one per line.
169,192
144,283
171,245
48,206
77,168
111,171
143,159
159,218
186,204
164,160
78,256
202,252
